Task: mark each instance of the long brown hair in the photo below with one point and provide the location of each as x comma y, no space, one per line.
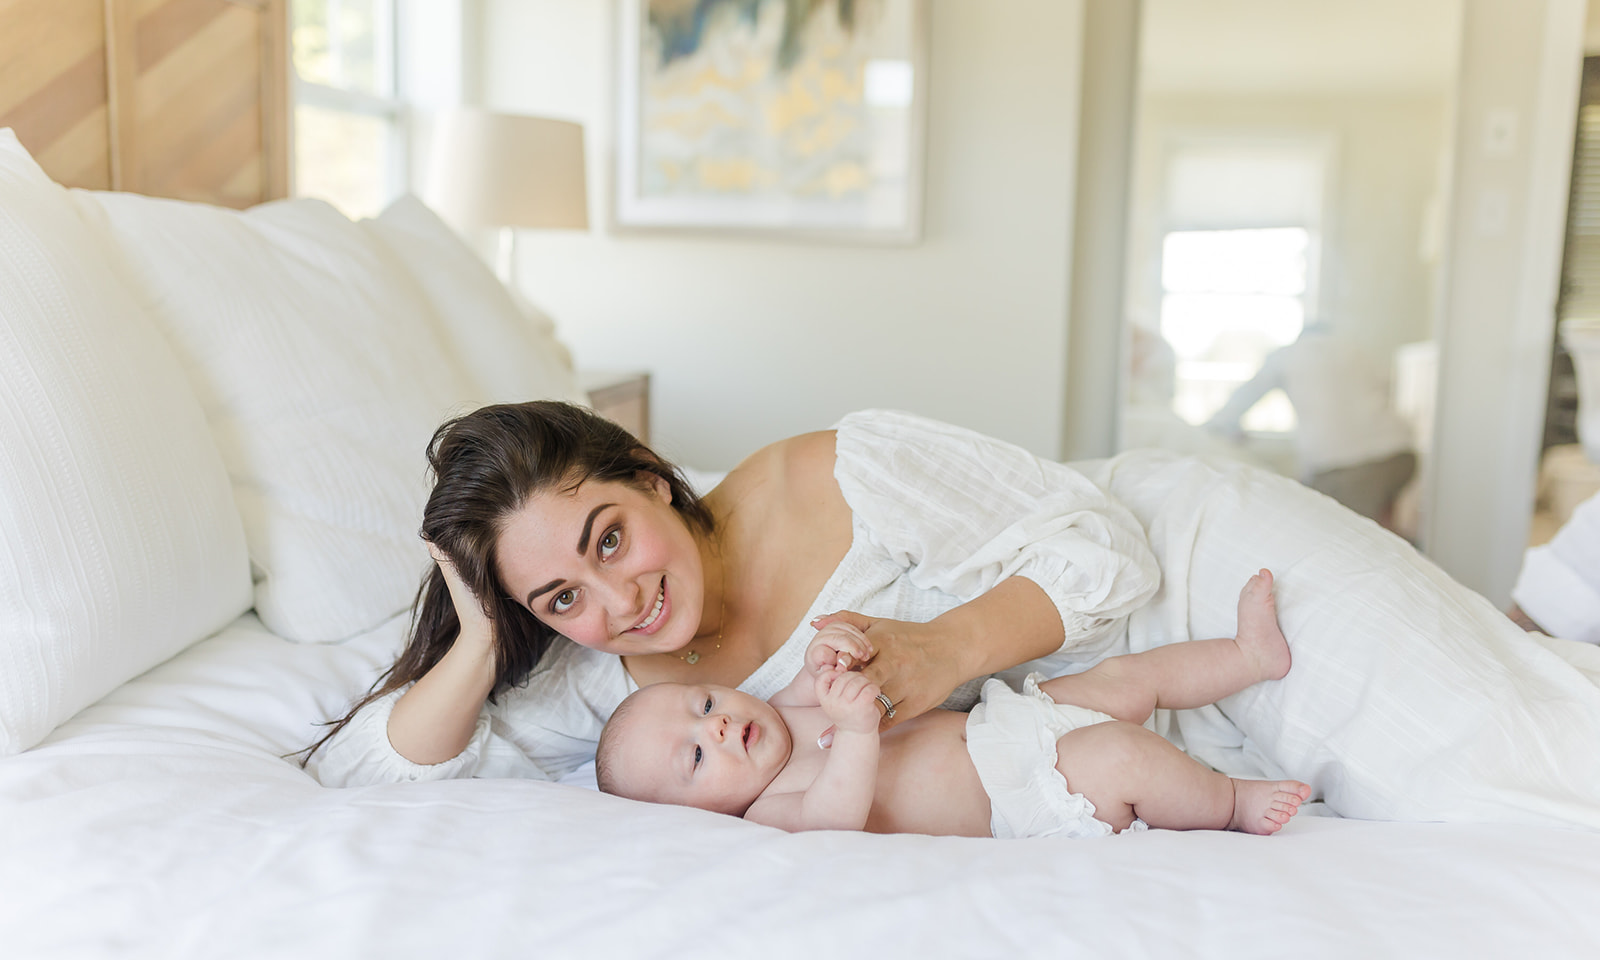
485,466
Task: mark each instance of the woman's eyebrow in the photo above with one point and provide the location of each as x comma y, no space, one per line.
588,526
534,594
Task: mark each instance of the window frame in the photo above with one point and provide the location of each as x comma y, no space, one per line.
392,109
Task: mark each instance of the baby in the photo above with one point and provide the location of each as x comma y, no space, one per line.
1066,757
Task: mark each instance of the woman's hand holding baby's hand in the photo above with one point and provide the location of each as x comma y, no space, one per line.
910,664
837,646
850,700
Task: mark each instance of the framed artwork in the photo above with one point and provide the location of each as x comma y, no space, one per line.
783,117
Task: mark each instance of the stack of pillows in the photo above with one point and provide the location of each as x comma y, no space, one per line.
204,411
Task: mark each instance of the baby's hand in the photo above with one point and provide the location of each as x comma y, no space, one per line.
837,646
850,700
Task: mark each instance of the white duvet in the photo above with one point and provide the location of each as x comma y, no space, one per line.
1410,697
163,822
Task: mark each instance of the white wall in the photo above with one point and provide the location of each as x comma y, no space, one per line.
751,341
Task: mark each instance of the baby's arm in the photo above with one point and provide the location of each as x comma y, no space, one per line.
836,647
840,798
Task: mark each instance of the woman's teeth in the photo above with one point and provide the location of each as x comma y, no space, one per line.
655,612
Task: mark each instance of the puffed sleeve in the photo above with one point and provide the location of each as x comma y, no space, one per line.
541,730
961,512
360,754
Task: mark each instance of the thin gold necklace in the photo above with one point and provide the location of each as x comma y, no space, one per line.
693,656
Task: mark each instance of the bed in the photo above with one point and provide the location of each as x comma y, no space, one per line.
211,427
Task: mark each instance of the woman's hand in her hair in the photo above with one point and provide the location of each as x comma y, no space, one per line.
476,627
913,665
434,720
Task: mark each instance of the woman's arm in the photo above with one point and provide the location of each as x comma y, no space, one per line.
1044,558
435,719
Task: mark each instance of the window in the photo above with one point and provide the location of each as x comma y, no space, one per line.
1239,264
1228,298
350,125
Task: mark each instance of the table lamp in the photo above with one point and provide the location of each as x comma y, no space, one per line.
500,170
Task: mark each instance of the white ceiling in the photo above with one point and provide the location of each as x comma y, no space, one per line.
1299,46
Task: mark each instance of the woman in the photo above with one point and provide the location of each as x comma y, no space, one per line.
956,554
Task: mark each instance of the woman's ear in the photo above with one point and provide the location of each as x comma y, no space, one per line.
659,484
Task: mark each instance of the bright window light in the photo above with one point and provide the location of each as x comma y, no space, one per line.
350,126
1230,297
1271,261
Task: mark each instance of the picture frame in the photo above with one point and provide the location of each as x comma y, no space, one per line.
779,118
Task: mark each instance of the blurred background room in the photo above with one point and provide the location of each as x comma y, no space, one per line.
1125,216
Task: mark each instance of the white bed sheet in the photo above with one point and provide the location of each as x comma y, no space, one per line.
162,823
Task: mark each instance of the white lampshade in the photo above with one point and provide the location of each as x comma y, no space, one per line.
497,170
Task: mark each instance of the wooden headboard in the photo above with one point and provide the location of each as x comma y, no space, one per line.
173,98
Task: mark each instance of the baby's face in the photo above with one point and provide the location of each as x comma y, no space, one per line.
700,745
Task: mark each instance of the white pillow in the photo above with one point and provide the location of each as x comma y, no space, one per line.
505,344
317,364
119,541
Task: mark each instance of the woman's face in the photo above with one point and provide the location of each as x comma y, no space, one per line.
608,565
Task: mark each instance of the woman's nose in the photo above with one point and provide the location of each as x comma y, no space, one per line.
622,596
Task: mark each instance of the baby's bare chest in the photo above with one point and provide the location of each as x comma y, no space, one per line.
926,782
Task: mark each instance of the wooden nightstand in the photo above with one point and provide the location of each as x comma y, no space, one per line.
623,396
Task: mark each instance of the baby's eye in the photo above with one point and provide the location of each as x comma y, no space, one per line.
697,755
562,602
610,542
706,711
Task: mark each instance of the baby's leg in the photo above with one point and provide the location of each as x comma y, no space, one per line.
1184,675
1126,772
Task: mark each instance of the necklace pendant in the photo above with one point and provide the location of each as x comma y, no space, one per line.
693,658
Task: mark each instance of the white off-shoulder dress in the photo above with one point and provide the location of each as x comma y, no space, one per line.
941,514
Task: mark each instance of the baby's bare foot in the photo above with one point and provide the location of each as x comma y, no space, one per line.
1259,636
1264,806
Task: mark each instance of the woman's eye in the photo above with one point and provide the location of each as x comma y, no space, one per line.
706,711
697,756
610,542
562,602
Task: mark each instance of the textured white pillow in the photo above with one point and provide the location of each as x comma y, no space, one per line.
119,541
508,347
319,369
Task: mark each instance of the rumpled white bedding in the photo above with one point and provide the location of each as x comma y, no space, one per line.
161,822
1411,697
164,822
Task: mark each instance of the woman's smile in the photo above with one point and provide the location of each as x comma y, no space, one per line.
656,615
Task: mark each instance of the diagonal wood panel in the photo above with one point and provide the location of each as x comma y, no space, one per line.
178,98
53,86
168,25
202,96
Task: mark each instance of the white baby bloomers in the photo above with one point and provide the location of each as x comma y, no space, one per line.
941,514
1011,738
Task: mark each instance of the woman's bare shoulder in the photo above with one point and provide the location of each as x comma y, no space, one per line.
797,467
792,478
